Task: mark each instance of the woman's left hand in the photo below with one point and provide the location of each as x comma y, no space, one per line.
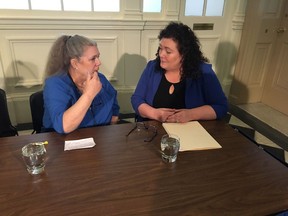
179,116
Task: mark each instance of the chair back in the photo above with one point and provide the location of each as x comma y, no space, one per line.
6,128
37,111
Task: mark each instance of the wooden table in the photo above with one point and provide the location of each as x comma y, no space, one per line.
126,176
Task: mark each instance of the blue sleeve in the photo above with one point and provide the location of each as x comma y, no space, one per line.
213,92
146,87
57,98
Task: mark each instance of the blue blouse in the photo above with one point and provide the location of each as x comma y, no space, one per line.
60,93
205,90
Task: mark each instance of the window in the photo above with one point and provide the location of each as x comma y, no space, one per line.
106,5
63,5
45,5
204,7
14,4
152,6
73,5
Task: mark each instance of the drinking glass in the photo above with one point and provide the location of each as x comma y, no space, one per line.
34,155
170,145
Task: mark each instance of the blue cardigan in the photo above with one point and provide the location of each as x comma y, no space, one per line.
60,93
205,90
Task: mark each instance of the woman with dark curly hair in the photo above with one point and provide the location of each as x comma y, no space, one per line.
179,85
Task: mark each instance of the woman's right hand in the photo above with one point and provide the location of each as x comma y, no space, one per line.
162,114
92,85
159,114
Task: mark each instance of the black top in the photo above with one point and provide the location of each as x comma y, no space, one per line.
175,100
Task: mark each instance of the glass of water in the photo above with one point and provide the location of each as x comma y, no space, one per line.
34,156
170,145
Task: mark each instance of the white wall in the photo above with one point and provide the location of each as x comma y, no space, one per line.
126,42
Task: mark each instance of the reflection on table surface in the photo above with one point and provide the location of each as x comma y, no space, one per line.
123,175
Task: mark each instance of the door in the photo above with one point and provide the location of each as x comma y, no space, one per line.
275,93
219,34
259,55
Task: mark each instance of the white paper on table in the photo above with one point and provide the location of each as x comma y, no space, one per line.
79,144
192,136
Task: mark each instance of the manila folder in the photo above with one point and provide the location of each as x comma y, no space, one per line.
192,136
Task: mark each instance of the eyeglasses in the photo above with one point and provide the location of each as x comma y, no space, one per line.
141,126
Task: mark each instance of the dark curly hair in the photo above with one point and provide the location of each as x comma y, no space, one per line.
188,46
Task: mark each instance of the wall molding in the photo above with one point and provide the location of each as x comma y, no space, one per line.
30,23
238,21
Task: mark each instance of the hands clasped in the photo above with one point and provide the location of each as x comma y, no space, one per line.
173,115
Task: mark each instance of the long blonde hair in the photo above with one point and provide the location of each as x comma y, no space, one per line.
63,50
